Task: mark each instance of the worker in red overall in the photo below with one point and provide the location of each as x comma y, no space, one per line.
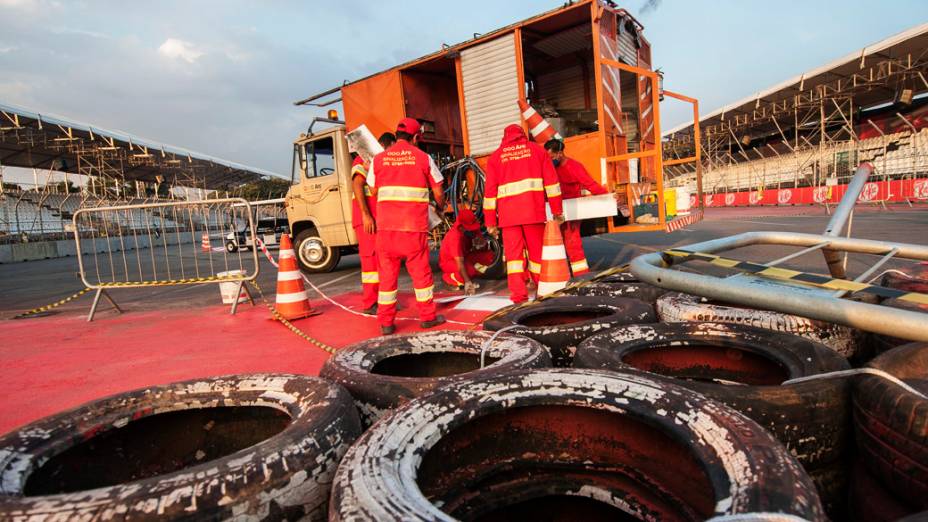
401,177
363,208
520,177
362,219
573,177
464,254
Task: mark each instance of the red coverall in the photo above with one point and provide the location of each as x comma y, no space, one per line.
519,177
403,176
573,176
366,242
456,244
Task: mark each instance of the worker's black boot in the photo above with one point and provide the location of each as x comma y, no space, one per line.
439,319
387,330
370,311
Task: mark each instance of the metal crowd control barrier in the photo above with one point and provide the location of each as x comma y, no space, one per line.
165,244
809,295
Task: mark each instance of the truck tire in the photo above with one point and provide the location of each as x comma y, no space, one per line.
262,447
623,284
742,367
892,423
231,247
497,270
573,441
561,323
384,373
678,307
314,256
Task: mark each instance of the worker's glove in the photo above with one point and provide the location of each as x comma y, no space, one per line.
493,231
559,218
470,288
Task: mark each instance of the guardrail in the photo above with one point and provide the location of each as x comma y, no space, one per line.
165,244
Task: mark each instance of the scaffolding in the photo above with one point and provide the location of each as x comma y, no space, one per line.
806,132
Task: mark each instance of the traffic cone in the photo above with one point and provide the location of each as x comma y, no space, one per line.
204,242
291,302
538,127
554,270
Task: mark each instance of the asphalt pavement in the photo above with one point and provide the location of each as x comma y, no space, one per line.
36,283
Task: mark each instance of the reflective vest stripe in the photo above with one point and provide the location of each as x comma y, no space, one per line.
400,193
534,267
553,190
423,294
519,187
515,267
489,203
370,277
386,298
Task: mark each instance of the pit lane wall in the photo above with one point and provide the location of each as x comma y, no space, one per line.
889,191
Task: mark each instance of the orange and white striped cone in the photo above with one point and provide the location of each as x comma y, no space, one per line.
204,242
292,302
538,127
555,273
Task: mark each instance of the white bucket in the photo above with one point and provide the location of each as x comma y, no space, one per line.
683,201
227,289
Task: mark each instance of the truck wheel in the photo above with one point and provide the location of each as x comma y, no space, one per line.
314,255
231,248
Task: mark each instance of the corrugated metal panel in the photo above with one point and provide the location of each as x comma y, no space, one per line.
628,52
566,42
491,92
564,88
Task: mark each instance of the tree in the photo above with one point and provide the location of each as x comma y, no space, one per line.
265,188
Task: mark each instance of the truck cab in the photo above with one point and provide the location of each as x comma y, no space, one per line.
319,200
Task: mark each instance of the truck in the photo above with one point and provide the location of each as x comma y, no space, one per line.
584,67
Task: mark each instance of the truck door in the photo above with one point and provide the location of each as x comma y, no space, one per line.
325,195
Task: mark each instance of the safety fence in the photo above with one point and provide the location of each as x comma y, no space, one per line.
163,244
31,213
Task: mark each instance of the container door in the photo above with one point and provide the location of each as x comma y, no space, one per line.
489,74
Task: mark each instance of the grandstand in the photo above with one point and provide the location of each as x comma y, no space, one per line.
799,142
96,167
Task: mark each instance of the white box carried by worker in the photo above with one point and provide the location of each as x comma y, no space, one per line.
587,207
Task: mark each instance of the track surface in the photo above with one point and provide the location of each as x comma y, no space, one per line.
28,285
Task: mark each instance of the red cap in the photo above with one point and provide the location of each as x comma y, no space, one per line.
468,220
409,126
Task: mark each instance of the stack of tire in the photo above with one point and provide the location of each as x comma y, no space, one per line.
474,425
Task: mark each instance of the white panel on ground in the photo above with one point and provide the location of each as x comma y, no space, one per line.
491,92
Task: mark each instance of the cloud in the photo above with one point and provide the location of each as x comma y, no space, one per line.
180,50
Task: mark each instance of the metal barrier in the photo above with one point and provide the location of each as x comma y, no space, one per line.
164,244
809,295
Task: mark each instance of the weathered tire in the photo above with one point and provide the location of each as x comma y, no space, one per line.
632,443
382,373
892,423
677,307
623,284
284,476
870,501
812,419
561,323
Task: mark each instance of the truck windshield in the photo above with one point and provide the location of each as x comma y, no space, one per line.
321,157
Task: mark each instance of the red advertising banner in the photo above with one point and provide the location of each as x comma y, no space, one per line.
874,191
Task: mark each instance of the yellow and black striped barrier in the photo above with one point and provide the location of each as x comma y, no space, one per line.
678,255
56,304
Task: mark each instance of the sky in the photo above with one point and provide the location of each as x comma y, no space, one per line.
219,76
